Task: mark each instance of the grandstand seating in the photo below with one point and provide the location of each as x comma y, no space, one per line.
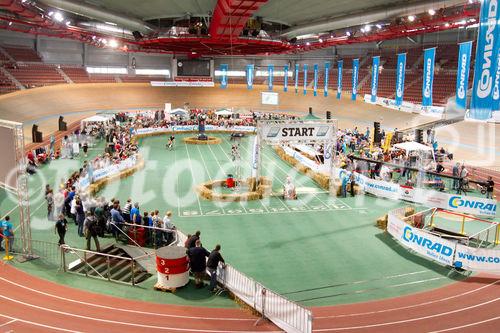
32,72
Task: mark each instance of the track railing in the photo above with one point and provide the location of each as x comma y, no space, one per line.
283,312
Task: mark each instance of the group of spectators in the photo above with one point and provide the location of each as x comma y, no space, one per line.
201,261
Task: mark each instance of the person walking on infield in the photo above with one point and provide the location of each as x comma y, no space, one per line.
61,227
212,263
171,141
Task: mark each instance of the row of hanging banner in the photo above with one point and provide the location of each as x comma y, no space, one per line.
486,86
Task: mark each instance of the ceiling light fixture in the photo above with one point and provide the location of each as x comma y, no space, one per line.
368,28
58,17
411,18
348,33
432,12
321,40
378,26
113,43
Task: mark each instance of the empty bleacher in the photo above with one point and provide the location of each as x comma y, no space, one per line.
22,54
35,74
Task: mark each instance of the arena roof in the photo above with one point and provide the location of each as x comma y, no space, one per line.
233,27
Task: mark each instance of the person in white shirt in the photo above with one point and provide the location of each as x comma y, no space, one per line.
169,227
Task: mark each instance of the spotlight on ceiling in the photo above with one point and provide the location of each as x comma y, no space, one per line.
411,18
431,12
368,28
113,43
58,17
363,30
68,22
378,26
308,43
348,33
447,24
320,40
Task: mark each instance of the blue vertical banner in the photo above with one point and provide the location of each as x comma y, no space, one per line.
487,49
428,78
249,76
223,75
464,53
296,78
315,82
327,70
355,73
270,76
339,79
285,79
305,79
375,70
400,78
496,86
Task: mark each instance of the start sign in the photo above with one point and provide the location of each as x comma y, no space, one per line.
296,131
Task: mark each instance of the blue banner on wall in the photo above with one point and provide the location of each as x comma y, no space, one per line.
305,79
285,79
270,76
315,82
463,74
400,78
428,79
496,86
339,79
296,78
375,69
249,75
488,43
327,69
223,76
355,73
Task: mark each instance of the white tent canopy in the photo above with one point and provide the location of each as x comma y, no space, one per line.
178,111
413,146
94,119
224,112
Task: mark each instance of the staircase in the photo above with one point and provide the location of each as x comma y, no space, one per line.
12,78
108,265
64,75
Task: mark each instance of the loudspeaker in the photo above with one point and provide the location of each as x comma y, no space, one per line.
398,137
62,124
328,115
419,136
376,132
36,136
293,40
137,35
310,110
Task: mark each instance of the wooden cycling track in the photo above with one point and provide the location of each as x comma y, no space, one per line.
30,304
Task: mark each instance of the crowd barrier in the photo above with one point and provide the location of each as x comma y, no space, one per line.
189,128
427,197
448,252
284,313
108,171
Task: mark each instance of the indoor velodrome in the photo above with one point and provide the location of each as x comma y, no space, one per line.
249,166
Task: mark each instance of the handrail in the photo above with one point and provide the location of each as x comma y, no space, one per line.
133,241
171,231
67,247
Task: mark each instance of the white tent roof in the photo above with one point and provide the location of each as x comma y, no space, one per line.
224,113
177,111
412,146
95,119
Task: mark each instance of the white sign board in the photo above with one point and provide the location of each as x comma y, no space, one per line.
193,84
269,98
298,132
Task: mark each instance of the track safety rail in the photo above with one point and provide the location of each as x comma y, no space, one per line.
283,312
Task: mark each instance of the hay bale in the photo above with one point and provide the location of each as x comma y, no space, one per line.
382,222
409,211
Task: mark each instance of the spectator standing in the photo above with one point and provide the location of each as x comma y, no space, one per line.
61,227
455,174
91,230
80,216
198,262
212,263
116,220
135,215
191,242
490,187
49,197
8,231
126,210
169,227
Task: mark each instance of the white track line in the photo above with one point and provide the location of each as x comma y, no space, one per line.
38,324
192,175
468,325
9,322
413,305
406,320
109,321
119,309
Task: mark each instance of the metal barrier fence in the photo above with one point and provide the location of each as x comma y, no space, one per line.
47,252
283,312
